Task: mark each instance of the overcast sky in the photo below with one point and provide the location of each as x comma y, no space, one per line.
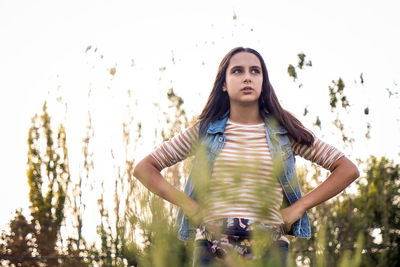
44,55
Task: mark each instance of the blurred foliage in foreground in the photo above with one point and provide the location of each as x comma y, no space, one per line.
360,229
355,229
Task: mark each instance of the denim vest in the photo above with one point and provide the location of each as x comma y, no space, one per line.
212,139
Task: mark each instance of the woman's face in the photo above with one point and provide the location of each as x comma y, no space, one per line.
243,79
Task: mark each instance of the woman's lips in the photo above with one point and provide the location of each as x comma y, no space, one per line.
247,90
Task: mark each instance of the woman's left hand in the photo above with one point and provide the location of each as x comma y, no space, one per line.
290,215
343,173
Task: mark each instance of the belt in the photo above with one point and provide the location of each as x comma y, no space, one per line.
239,227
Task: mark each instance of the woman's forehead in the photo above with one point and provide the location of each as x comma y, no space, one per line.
244,59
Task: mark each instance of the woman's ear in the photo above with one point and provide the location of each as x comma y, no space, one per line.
224,88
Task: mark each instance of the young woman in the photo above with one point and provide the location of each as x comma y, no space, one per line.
243,185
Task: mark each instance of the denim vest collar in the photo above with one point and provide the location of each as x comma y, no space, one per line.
218,126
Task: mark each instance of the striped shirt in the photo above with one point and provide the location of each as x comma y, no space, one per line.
242,182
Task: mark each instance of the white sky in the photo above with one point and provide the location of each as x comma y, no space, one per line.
42,56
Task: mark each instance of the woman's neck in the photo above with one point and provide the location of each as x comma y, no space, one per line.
245,114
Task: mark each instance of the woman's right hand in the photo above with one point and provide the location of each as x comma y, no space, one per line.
195,213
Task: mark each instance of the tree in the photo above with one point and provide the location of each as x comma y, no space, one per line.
48,178
18,246
353,229
378,206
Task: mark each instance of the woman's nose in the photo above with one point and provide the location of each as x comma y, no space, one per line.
247,78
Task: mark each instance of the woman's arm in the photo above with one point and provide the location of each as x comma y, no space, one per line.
343,173
148,173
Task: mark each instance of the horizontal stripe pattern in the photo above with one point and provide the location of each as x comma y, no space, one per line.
320,152
242,185
177,148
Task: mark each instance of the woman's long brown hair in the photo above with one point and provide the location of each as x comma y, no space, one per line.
218,101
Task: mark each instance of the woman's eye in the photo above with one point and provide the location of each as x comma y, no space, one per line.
239,70
236,71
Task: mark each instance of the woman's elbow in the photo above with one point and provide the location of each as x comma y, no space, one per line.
144,166
354,173
136,170
347,168
139,169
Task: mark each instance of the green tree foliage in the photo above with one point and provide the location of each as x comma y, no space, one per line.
336,94
347,230
302,61
378,203
292,72
338,102
364,224
48,179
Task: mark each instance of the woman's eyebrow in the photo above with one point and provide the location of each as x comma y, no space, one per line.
241,66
